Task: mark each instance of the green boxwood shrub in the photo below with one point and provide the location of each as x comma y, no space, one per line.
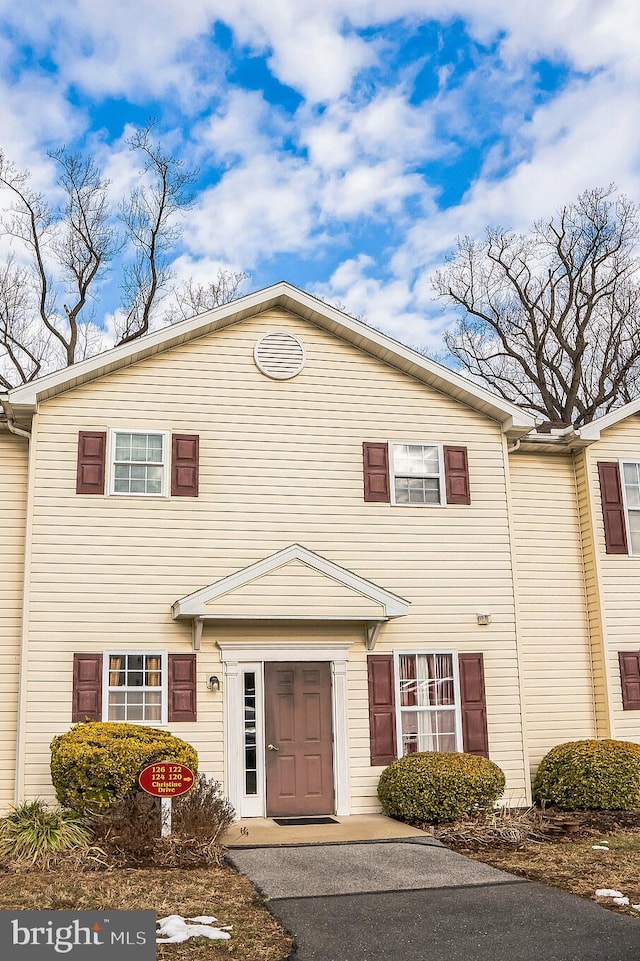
590,775
435,787
95,763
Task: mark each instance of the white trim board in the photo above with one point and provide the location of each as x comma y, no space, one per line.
194,605
235,656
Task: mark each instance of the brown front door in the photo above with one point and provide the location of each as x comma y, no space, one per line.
299,748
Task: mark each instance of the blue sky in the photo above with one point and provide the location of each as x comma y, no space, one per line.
341,146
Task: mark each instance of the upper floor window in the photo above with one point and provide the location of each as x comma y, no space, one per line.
429,703
151,463
135,688
417,472
631,478
139,463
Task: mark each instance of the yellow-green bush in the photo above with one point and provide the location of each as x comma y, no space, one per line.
95,763
435,787
590,775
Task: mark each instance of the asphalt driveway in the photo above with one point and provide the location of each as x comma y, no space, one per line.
415,900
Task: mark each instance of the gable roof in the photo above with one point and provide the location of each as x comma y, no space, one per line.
514,421
593,430
388,604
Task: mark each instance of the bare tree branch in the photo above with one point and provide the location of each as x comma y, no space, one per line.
150,217
550,320
191,298
65,249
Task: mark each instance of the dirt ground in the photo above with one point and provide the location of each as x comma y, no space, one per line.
558,849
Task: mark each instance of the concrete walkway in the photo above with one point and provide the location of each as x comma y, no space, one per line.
414,900
259,832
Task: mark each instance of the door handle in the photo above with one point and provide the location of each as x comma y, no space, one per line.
272,747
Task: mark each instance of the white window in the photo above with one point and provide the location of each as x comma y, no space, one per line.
631,482
139,462
135,688
416,473
428,702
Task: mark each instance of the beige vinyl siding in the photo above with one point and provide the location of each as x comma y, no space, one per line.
619,577
280,463
13,501
554,639
586,499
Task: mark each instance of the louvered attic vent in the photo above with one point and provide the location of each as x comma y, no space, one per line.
279,355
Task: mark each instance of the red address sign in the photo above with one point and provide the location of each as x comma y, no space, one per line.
166,779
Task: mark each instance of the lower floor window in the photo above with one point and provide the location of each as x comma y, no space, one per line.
135,687
428,702
250,731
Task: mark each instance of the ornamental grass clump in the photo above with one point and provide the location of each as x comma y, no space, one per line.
35,833
590,776
434,787
98,762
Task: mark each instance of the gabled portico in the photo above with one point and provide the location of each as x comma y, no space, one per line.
274,690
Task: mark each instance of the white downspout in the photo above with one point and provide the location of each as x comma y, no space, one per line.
11,423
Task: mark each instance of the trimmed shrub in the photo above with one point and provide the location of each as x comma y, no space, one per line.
436,787
590,776
98,762
34,833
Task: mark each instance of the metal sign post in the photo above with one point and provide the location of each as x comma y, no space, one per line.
166,780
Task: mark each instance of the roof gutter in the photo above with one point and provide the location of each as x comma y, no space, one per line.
11,423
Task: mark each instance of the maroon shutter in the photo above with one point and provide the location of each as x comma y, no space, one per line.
474,709
376,472
87,687
382,709
182,687
92,450
615,531
630,679
184,465
456,474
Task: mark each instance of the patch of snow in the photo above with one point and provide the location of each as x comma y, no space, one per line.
176,929
608,893
622,901
204,919
636,907
600,847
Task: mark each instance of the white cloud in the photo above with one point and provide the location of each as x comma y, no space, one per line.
369,190
258,209
386,305
243,124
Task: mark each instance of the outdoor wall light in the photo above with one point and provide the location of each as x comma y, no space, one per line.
213,684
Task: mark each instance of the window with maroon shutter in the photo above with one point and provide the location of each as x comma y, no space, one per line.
92,452
630,679
382,712
182,687
376,472
456,472
87,687
615,531
184,465
473,704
